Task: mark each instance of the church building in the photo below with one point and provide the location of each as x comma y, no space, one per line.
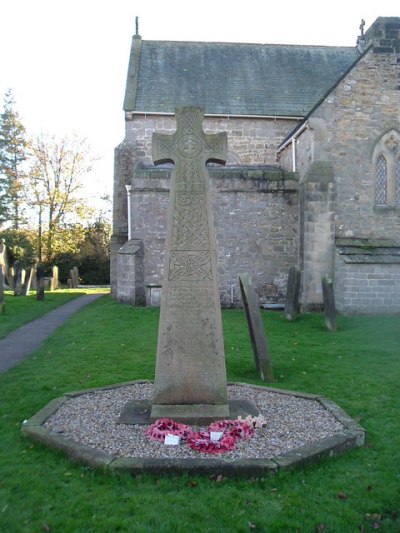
312,177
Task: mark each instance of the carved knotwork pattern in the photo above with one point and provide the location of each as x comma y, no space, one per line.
190,266
190,226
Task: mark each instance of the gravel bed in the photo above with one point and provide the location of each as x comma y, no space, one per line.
91,419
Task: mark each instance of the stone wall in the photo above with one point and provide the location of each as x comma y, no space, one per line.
256,225
367,288
355,115
255,205
251,141
344,131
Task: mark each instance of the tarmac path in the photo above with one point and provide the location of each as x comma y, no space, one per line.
28,338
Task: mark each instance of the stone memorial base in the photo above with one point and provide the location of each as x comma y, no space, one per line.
144,412
105,428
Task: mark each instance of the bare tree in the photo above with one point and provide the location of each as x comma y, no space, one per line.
59,165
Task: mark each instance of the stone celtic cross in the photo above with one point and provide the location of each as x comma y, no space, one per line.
190,381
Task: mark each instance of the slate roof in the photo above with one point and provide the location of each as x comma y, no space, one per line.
234,79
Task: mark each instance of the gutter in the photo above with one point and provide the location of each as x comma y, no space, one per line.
130,114
292,140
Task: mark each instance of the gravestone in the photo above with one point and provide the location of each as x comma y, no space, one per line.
292,293
4,267
256,329
54,279
190,378
329,303
74,273
40,283
2,303
17,279
29,280
11,278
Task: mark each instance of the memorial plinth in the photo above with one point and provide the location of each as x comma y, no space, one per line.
190,379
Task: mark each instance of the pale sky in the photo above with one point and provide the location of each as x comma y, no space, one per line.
66,60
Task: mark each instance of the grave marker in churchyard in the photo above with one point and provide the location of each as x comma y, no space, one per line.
11,278
190,380
40,283
74,273
29,280
2,303
329,303
17,279
256,329
4,267
54,279
292,293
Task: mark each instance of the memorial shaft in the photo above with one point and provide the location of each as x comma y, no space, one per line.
190,380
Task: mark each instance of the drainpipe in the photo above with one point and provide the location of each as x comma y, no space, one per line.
292,141
128,196
294,154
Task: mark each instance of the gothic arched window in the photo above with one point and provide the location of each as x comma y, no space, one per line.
397,184
381,181
386,159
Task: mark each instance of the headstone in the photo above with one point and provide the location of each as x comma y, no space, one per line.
4,267
29,279
329,303
190,379
292,293
11,278
17,278
256,329
2,303
40,283
54,278
74,273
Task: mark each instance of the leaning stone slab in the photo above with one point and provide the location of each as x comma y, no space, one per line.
17,279
256,329
329,303
40,283
292,293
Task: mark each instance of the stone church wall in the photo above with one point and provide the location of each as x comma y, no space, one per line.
255,205
344,131
361,108
366,288
255,219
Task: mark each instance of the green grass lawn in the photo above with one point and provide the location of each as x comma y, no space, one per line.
358,367
22,309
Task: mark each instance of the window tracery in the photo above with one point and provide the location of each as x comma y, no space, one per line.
386,159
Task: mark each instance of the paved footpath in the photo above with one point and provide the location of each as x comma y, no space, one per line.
26,339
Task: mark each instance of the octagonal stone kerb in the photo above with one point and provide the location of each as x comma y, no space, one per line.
352,436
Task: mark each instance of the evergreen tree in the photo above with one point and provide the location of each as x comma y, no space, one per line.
13,146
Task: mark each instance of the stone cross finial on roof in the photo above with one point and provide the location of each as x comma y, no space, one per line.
137,26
